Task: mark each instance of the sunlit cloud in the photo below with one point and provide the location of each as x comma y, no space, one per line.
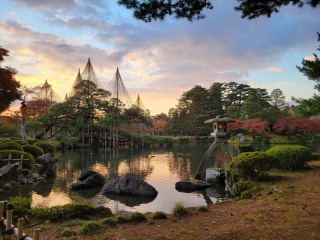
275,69
158,60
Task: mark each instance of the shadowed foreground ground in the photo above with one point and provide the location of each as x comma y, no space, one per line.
290,213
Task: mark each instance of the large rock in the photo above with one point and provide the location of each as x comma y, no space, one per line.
88,179
129,184
48,163
10,172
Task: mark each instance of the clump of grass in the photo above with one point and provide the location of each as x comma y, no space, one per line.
65,232
75,222
121,219
250,218
137,217
202,209
110,221
179,210
90,228
159,215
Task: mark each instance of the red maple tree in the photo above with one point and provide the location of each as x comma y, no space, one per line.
255,125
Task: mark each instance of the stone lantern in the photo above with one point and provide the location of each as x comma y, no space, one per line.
220,132
221,135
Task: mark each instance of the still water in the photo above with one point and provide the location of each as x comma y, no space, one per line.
160,167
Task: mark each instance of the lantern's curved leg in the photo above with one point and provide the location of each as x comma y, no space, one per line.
230,150
204,159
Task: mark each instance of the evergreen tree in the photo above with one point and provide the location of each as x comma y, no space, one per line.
311,68
256,105
278,104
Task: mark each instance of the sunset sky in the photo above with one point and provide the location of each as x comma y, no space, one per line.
160,60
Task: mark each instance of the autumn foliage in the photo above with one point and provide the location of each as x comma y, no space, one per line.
291,126
256,125
158,127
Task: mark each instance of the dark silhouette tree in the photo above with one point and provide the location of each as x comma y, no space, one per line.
149,10
9,86
311,68
254,8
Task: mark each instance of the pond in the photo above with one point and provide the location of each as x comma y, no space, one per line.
161,167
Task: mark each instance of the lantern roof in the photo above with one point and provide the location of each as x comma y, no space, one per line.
220,118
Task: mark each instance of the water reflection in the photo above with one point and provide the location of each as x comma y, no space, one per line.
160,167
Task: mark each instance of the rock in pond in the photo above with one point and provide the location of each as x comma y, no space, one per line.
129,184
88,179
192,185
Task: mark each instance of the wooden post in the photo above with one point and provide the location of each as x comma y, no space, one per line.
9,223
10,159
36,233
20,228
2,203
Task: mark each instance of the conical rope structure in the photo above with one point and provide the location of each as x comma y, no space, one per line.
119,91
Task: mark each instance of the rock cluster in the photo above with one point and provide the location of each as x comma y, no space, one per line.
13,174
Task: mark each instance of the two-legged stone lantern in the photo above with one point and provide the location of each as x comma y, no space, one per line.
221,136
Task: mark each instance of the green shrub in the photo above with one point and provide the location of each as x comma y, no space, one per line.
179,210
110,221
121,219
20,205
34,150
239,187
32,141
137,217
246,148
250,165
21,142
65,232
249,193
10,146
75,222
45,146
68,211
202,209
158,215
315,156
17,155
90,228
3,140
290,157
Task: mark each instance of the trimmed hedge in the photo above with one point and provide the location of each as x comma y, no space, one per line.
290,157
10,146
246,148
17,154
250,165
45,146
21,142
34,150
2,140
